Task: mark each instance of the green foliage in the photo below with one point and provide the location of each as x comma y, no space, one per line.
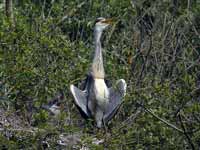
48,47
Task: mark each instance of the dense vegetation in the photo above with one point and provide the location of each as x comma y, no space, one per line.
46,45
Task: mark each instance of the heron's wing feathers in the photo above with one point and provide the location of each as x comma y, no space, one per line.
80,99
116,92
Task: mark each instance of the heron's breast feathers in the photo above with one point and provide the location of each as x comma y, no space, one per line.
101,92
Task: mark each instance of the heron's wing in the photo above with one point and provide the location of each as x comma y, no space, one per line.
116,93
80,99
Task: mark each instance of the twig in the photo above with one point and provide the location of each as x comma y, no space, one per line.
144,13
145,61
130,119
49,13
118,57
194,28
185,133
43,7
162,120
32,130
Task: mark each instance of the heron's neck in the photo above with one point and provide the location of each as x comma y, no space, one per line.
97,65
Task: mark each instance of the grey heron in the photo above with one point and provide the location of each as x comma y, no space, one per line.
97,100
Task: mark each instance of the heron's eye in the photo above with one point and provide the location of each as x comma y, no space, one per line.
98,20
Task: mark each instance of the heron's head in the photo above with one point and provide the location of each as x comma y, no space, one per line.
102,23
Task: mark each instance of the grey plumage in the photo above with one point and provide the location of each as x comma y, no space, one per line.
97,100
54,105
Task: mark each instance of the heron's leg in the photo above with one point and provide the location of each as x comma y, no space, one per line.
98,117
104,125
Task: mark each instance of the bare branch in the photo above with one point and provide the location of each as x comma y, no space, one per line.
162,120
185,133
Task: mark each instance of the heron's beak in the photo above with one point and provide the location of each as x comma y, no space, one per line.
108,21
